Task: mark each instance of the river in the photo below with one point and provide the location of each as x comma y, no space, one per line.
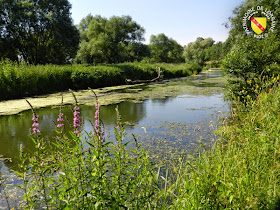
176,113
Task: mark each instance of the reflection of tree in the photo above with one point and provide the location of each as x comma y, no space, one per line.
14,129
162,101
131,112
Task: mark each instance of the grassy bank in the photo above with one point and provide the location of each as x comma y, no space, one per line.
242,171
20,80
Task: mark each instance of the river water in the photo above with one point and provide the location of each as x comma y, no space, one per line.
177,120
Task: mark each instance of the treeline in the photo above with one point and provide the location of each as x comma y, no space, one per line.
42,32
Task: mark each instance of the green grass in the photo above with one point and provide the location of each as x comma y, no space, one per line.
21,80
242,170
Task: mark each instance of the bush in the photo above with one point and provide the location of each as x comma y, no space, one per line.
249,62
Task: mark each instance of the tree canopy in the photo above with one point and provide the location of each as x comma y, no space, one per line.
113,40
252,59
165,49
38,31
195,52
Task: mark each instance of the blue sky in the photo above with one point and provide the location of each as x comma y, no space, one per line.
182,20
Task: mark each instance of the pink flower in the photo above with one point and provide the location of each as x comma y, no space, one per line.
35,125
96,114
76,120
60,125
60,119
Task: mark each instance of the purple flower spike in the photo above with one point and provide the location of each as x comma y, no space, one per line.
60,119
35,125
76,120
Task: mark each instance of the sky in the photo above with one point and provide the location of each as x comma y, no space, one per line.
182,20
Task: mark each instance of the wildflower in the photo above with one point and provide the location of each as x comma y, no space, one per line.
97,107
35,125
76,120
60,119
97,122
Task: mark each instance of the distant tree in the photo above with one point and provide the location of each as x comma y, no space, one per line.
195,52
165,49
38,31
215,52
110,41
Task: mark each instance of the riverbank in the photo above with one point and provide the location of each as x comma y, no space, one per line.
108,95
242,169
21,80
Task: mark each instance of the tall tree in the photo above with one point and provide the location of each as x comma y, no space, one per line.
215,52
165,49
195,52
113,40
38,31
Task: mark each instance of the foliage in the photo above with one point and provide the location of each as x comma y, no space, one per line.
110,41
203,50
165,49
38,32
251,59
236,23
19,80
242,170
215,52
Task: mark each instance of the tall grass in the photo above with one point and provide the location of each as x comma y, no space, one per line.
86,170
242,170
20,80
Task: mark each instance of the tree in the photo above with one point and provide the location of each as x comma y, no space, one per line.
195,52
215,52
251,60
110,41
165,49
38,31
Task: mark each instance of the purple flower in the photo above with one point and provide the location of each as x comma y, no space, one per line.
96,113
35,125
60,119
97,128
60,125
76,120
